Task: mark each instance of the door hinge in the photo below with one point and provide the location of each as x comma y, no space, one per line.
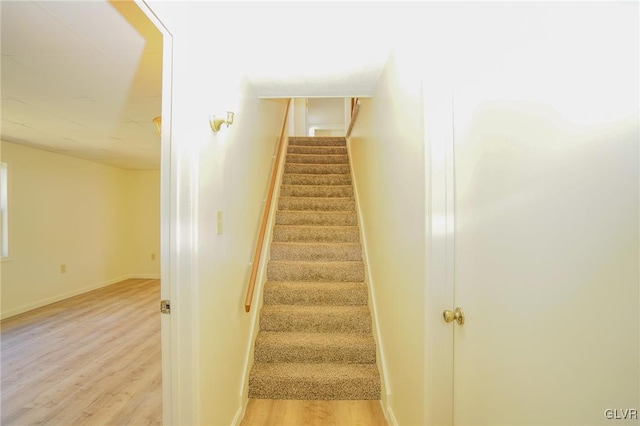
165,306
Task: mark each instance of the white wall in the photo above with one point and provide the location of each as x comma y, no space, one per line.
387,153
234,180
326,115
94,219
299,122
228,172
143,218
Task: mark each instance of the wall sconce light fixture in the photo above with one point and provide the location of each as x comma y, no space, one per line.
158,122
217,122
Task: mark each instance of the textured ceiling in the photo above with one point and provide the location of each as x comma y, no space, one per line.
83,78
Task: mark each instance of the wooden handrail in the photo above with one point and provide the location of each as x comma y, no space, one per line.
265,215
355,109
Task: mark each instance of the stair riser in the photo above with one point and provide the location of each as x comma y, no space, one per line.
340,388
293,271
310,141
285,217
313,234
317,323
316,252
317,179
353,354
317,150
317,159
316,191
316,169
275,295
317,204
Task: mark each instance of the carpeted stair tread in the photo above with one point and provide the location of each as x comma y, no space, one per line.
316,233
317,159
315,251
340,191
317,203
315,293
316,169
348,348
317,150
317,141
315,336
314,381
284,270
315,318
316,179
306,217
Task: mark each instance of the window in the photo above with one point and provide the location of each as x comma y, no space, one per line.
4,216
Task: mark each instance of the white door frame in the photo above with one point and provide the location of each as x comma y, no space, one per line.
168,230
439,262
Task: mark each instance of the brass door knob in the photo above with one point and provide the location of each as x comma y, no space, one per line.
457,315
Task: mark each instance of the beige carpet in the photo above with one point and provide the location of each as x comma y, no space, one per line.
315,339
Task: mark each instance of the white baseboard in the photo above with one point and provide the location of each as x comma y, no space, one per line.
240,412
53,299
391,418
144,277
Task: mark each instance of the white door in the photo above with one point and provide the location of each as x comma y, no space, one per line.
546,234
546,271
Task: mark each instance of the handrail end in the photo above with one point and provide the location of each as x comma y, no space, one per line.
247,307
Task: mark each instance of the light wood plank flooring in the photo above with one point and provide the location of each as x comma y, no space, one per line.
278,412
90,360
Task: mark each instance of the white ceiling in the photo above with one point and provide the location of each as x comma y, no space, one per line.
83,78
79,79
332,49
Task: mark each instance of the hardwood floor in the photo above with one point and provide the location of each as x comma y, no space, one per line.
278,412
90,360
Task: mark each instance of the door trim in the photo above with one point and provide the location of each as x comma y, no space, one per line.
168,233
439,262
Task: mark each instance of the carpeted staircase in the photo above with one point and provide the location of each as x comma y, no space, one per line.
315,339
